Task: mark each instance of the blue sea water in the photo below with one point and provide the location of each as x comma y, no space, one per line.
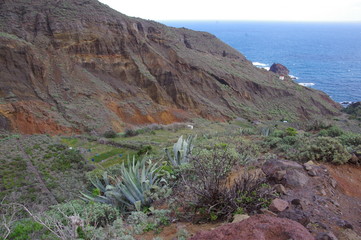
325,56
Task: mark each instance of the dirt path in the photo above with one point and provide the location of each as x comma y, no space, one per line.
50,198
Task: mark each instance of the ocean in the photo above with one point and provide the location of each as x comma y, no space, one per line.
325,56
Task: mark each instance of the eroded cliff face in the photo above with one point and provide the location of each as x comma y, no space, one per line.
74,65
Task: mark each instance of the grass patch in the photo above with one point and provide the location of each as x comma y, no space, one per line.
106,155
71,142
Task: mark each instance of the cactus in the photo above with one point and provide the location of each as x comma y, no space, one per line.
182,149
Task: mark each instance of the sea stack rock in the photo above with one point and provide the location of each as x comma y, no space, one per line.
279,69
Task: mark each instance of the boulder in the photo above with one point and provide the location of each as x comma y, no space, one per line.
344,224
297,215
273,166
239,217
348,234
280,189
278,205
295,178
257,227
312,173
326,236
279,69
279,175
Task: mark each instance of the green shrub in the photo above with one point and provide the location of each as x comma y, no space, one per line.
277,133
331,132
290,132
317,125
247,131
144,149
272,142
130,132
182,234
26,229
110,134
66,159
351,139
154,220
354,110
139,221
57,147
324,149
290,140
92,212
116,230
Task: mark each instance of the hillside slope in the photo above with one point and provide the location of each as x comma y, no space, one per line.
76,65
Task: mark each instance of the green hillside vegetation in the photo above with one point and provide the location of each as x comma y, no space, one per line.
354,110
126,185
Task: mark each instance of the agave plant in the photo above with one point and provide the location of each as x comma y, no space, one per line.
182,149
131,189
265,131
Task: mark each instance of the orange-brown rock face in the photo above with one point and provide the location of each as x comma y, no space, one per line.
73,65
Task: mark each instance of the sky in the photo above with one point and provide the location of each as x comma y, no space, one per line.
252,10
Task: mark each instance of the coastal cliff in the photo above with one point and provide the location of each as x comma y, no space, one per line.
77,65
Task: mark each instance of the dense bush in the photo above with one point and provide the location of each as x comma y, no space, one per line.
213,196
272,142
351,139
324,149
110,134
290,132
27,229
57,147
317,125
130,132
66,159
331,132
290,140
144,149
92,212
282,143
277,133
283,133
247,131
354,110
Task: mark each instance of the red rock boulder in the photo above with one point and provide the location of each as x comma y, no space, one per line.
258,227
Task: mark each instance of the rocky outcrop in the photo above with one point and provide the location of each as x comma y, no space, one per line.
324,199
77,65
258,227
279,69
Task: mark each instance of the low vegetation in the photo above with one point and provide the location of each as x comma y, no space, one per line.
214,196
133,183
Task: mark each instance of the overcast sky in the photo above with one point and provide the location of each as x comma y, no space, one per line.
270,10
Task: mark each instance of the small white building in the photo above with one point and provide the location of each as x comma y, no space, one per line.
282,77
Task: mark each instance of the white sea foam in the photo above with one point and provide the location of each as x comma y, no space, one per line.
293,77
267,68
307,84
346,103
258,64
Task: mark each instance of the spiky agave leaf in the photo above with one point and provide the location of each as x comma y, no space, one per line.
181,151
137,180
129,190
